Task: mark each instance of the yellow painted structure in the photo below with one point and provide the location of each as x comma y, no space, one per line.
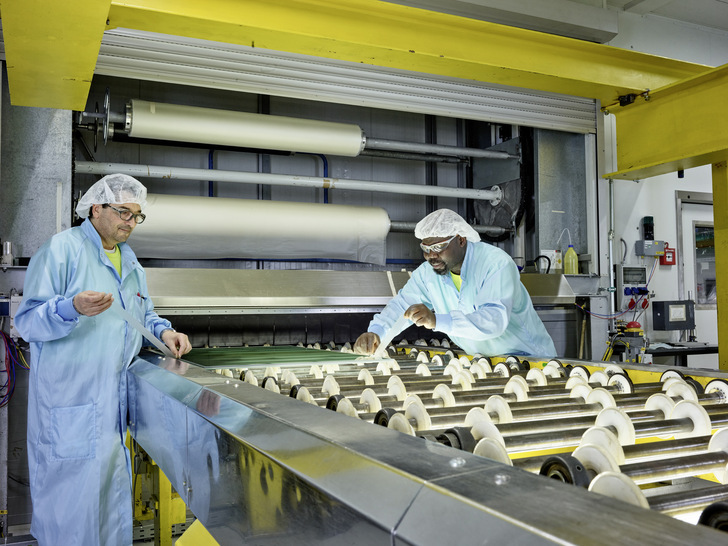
682,125
363,31
153,496
196,535
51,50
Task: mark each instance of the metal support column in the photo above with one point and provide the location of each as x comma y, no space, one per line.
162,508
720,229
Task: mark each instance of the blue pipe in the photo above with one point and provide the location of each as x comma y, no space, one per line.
326,175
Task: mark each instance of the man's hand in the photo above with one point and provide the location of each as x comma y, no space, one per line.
177,342
421,315
366,343
92,303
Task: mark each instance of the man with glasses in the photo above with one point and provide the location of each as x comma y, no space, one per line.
80,474
469,290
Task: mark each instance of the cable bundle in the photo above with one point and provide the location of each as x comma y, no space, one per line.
13,358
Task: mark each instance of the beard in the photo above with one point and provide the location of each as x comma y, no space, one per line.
442,268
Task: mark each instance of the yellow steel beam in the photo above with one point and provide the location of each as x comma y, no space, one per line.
682,125
720,232
51,49
391,35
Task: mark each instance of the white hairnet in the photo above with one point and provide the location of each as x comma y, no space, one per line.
113,189
445,223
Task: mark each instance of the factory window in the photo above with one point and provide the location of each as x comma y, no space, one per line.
705,293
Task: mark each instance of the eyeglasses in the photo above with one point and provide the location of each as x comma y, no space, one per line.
436,248
127,215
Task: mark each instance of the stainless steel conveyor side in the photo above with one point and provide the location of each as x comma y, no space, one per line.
257,467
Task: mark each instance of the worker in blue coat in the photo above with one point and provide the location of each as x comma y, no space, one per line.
80,473
469,290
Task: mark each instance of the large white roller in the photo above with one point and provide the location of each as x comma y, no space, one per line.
188,227
161,121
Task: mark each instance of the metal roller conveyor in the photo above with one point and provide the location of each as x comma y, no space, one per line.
678,467
609,477
706,506
425,417
453,421
686,419
663,448
688,501
441,399
606,440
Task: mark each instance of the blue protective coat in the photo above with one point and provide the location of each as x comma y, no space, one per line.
80,474
492,314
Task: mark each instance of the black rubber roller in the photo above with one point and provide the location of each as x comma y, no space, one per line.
268,378
333,402
383,416
427,436
567,469
697,387
514,363
715,516
294,391
461,438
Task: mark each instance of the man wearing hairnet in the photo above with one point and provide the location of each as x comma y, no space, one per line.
466,289
80,473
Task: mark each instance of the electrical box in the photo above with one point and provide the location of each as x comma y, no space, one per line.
8,308
673,315
630,282
649,248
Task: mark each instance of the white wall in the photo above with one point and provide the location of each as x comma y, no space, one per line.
673,39
656,196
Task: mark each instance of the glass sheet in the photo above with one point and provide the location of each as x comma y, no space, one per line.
240,357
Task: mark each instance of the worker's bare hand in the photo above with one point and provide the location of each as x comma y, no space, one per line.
421,315
92,303
177,342
366,343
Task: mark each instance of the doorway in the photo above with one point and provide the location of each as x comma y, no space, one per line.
696,269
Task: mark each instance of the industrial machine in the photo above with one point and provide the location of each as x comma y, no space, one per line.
459,457
303,441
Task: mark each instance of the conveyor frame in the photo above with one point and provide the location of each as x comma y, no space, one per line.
267,469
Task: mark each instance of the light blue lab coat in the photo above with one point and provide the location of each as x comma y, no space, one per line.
80,474
492,314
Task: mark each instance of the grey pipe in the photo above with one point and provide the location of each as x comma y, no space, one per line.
409,227
399,146
612,296
411,156
215,175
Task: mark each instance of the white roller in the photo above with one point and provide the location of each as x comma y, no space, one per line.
347,408
619,486
492,449
242,129
186,227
